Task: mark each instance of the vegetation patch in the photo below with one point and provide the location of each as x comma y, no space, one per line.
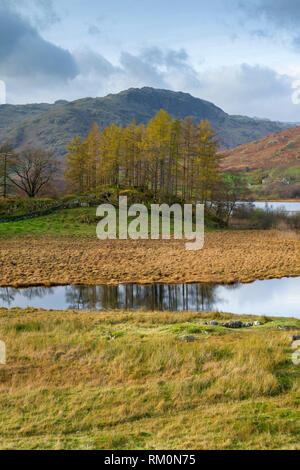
123,380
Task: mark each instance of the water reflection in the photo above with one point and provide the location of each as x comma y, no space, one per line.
133,296
270,297
289,207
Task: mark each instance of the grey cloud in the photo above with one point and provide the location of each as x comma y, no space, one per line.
142,71
169,58
91,62
46,15
161,68
282,13
41,13
259,82
276,15
260,33
250,90
93,30
23,52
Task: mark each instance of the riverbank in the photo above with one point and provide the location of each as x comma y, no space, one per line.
227,257
124,380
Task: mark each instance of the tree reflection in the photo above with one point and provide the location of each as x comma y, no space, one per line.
7,295
37,292
199,297
133,297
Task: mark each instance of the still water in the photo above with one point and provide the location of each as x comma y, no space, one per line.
290,207
277,297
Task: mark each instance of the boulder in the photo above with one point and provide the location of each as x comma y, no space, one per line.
234,324
2,353
295,337
187,339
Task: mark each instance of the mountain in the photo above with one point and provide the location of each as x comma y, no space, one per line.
271,164
54,126
13,115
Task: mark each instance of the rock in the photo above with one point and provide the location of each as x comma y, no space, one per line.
2,353
234,324
214,323
296,344
187,339
295,337
248,325
257,323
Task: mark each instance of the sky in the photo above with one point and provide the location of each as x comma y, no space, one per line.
242,55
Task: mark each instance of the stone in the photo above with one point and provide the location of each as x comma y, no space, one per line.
296,344
187,339
295,337
2,353
257,323
248,325
234,324
214,323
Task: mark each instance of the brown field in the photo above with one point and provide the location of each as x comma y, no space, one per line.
227,257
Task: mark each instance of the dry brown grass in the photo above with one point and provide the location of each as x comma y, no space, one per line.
227,257
125,380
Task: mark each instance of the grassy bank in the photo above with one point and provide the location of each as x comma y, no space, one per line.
73,222
127,381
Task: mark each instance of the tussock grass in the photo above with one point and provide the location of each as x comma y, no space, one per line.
125,380
227,257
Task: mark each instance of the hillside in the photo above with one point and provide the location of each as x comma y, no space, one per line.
14,115
271,164
54,126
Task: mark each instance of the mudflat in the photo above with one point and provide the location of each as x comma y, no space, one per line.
227,257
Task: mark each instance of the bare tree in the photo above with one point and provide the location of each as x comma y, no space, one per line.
33,169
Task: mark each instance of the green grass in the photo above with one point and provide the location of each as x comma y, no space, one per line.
67,222
124,380
64,222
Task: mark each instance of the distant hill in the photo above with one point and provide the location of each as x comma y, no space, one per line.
53,126
271,164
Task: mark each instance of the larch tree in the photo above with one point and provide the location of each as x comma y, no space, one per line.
172,158
93,156
76,165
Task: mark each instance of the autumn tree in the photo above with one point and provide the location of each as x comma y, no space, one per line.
111,153
157,144
93,157
173,158
207,161
77,165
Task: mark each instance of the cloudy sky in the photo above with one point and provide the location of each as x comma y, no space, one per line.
243,55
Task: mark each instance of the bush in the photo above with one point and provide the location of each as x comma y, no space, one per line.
249,216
